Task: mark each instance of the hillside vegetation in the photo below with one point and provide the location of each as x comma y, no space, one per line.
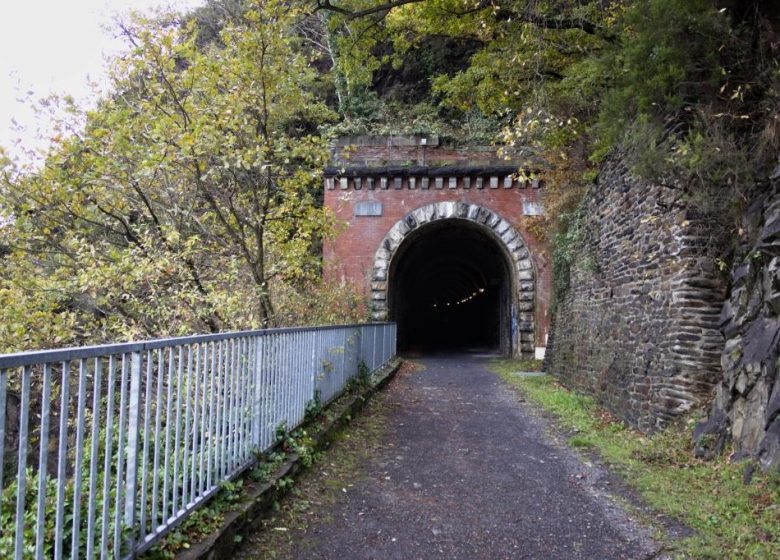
189,200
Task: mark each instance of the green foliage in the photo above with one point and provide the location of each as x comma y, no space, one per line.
359,381
363,371
200,523
51,490
668,62
299,442
688,89
565,252
314,302
667,59
730,519
190,199
398,118
8,516
313,407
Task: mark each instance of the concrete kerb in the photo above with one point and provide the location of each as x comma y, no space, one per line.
261,497
528,374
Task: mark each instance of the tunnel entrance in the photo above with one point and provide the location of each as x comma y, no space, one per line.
450,289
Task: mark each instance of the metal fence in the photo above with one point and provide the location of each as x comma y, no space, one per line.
104,449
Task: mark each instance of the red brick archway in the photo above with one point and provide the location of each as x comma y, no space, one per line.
516,329
376,186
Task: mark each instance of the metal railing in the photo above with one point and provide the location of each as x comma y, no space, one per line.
105,449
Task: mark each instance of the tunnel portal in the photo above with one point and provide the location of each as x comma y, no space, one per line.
449,289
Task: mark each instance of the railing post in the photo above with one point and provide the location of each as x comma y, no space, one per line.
133,426
257,409
3,391
359,345
344,374
384,341
21,489
62,442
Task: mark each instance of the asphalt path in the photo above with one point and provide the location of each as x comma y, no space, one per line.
462,469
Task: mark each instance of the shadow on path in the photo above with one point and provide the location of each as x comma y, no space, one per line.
447,464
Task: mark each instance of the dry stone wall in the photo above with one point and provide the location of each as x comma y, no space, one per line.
638,325
747,404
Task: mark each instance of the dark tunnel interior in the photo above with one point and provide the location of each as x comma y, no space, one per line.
449,290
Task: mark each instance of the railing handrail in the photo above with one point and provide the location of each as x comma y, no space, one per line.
127,440
31,357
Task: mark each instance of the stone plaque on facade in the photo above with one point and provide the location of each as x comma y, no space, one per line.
368,208
532,209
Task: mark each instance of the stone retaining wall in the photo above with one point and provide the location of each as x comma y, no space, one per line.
638,326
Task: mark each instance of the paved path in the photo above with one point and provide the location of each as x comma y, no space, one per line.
459,471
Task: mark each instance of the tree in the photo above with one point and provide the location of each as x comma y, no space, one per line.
189,194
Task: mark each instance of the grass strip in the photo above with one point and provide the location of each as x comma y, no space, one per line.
730,519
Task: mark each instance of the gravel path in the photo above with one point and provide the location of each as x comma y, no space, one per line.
448,464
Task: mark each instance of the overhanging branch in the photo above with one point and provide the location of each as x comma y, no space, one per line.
501,14
350,14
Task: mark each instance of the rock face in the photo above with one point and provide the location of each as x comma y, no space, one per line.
747,403
639,324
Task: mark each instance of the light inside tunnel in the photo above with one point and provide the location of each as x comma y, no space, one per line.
449,289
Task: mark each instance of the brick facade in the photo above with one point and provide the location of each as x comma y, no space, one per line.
396,176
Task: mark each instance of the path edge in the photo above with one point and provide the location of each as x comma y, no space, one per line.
260,499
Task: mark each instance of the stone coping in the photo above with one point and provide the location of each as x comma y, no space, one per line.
390,141
423,171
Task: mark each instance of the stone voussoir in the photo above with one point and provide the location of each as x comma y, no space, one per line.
500,227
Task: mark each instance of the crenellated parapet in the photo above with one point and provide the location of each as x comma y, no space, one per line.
430,177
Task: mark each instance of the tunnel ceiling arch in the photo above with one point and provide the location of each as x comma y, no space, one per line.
468,275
